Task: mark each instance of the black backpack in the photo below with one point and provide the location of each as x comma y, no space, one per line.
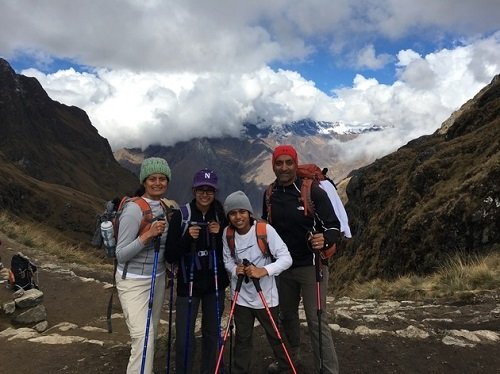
24,272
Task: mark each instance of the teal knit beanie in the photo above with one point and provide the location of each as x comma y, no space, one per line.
154,165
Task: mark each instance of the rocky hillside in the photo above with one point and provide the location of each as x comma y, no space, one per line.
55,168
434,197
53,142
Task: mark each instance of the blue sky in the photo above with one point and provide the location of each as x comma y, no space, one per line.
157,72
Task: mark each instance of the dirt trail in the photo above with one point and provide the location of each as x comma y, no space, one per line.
78,300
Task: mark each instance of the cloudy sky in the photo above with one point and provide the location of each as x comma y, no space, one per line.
162,71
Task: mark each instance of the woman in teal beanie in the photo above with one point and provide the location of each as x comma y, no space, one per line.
141,223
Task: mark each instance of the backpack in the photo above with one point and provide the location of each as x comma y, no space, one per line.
260,233
24,272
112,213
109,238
312,174
109,213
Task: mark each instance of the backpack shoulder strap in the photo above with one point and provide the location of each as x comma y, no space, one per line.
269,192
230,239
305,196
261,233
185,217
147,213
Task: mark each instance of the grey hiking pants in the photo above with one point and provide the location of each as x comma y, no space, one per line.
294,283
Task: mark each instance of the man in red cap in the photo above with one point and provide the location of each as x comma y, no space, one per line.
304,236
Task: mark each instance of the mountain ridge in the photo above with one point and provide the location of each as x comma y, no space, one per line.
409,211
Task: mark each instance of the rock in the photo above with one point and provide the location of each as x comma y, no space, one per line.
412,332
450,340
41,326
9,308
57,339
33,315
363,330
30,298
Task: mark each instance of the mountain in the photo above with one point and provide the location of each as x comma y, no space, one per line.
437,196
53,142
245,162
306,127
54,166
241,163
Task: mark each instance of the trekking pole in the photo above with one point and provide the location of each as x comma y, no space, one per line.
156,244
319,277
217,303
276,330
190,305
170,311
229,322
231,326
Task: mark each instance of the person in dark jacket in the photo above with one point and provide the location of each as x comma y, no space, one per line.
305,237
194,241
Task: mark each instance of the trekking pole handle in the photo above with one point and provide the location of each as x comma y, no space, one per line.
254,280
157,238
195,223
239,282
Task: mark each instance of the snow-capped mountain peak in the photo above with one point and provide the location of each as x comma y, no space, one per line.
307,127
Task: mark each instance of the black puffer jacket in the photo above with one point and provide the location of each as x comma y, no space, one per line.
179,249
289,220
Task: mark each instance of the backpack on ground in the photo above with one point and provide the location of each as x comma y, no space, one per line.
24,272
313,174
260,233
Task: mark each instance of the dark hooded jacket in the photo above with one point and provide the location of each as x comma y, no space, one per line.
289,220
180,247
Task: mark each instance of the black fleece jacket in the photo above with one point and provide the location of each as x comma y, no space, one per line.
289,220
179,248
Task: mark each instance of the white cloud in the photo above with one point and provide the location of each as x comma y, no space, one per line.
137,109
188,35
367,58
165,71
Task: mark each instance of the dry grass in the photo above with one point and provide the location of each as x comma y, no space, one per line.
460,277
45,241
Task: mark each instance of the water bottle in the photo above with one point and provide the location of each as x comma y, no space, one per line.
108,238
